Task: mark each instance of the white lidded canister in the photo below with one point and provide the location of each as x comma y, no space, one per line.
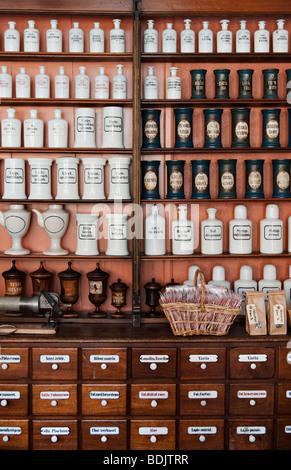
14,178
87,234
85,128
112,127
67,178
93,178
117,234
119,179
40,178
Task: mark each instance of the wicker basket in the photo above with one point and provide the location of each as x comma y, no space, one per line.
199,319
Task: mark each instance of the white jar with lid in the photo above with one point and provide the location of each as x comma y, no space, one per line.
117,235
93,178
224,38
101,85
42,84
117,38
112,127
240,232
58,131
271,231
280,38
62,84
155,232
96,38
211,234
173,90
205,37
40,178
119,91
22,84
14,178
119,179
5,83
262,38
85,128
67,178
269,281
150,38
54,38
245,283
187,38
31,38
76,38
150,85
11,38
82,84
243,38
87,234
218,278
33,130
169,39
191,273
11,130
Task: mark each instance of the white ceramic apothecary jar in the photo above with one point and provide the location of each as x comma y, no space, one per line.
40,178
117,235
87,234
58,131
11,130
33,130
55,222
119,179
67,178
85,128
112,127
16,220
93,178
14,178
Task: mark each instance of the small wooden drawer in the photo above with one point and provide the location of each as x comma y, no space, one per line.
202,363
13,400
284,363
154,363
60,400
104,400
252,363
152,435
201,434
154,399
103,364
104,435
54,363
55,435
13,363
202,399
251,399
250,434
284,398
14,434
283,434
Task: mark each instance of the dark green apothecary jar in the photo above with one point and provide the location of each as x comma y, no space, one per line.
200,179
281,178
227,178
183,127
271,127
240,127
151,128
270,77
288,85
245,83
175,179
212,127
150,179
254,179
289,125
198,83
221,83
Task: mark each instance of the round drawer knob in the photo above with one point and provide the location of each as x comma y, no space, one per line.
203,366
253,366
202,438
55,366
153,366
203,403
54,439
252,438
103,439
103,402
5,438
4,366
252,402
154,403
54,402
4,402
153,439
103,366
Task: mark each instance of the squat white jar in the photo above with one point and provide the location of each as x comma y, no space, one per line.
119,178
85,128
14,178
117,235
93,178
112,127
67,178
40,178
87,233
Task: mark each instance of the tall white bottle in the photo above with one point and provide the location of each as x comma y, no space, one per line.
224,38
187,38
211,234
205,39
155,233
240,232
101,85
245,281
11,130
54,38
218,278
169,39
31,38
42,84
150,38
174,86
182,233
287,286
271,231
280,38
5,83
33,130
58,131
97,38
11,38
262,38
119,91
76,38
150,85
22,84
62,84
269,281
117,38
82,84
243,38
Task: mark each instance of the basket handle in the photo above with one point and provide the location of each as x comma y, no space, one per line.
202,278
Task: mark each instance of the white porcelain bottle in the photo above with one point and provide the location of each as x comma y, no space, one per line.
224,38
262,38
169,39
76,38
191,273
211,234
62,84
155,233
54,38
280,38
182,233
5,83
117,235
85,128
57,131
150,85
150,38
240,232
11,38
102,85
119,91
42,84
22,84
287,286
289,234
119,177
218,278
174,86
245,283
93,178
205,39
187,38
40,178
112,136
33,130
269,281
82,84
243,38
271,231
96,38
31,38
117,38
67,178
10,130
87,234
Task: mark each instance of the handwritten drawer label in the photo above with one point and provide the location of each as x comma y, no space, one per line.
49,358
148,431
11,358
108,358
202,430
100,395
252,357
252,394
251,430
202,394
54,395
114,430
288,429
13,430
11,395
288,393
154,394
203,358
50,431
154,358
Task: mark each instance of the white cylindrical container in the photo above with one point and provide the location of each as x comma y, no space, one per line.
150,38
62,84
280,38
85,128
287,287
169,39
22,84
76,39
117,38
54,38
245,283
96,38
150,85
112,127
33,130
11,130
240,232
224,38
58,131
173,90
289,234
42,84
271,231
155,233
191,273
119,180
67,178
101,85
211,234
82,85
243,38
14,178
119,84
5,83
205,38
11,38
117,235
31,38
269,281
87,234
93,178
262,38
187,38
218,278
40,178
182,233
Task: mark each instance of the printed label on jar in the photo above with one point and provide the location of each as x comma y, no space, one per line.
93,176
283,180
151,129
201,181
199,83
254,179
212,232
271,83
9,129
184,129
272,129
183,234
227,181
273,232
31,129
117,298
87,232
150,39
39,176
85,124
14,287
117,232
95,287
119,175
150,180
174,84
213,129
14,175
176,180
242,130
112,124
241,232
67,176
